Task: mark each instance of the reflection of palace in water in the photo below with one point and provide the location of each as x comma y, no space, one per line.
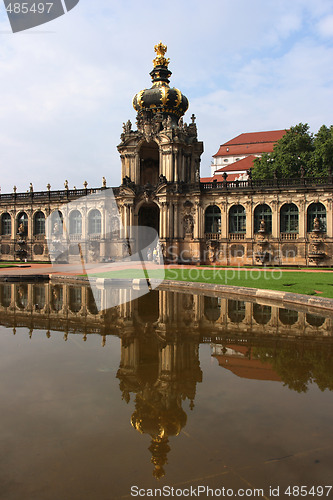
73,308
160,336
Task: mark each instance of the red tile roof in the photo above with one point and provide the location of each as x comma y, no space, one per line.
219,178
240,165
253,369
252,142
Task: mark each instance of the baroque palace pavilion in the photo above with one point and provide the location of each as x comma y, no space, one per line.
217,220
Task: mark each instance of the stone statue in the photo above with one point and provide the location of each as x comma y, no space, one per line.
56,229
126,180
316,224
127,127
188,226
262,228
104,182
66,184
21,229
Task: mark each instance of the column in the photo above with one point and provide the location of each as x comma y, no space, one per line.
329,219
302,219
196,221
275,219
249,220
224,220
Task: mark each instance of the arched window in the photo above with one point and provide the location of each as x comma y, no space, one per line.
262,314
289,218
212,219
314,320
39,223
75,299
39,296
75,222
237,219
56,222
236,310
212,308
6,224
22,218
288,316
316,211
95,222
22,296
94,301
263,212
57,298
5,295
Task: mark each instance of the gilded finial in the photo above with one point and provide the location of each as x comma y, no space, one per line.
160,60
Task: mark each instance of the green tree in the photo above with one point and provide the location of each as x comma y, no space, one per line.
322,158
293,151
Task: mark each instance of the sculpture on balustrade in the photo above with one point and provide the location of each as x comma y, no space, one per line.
21,251
317,252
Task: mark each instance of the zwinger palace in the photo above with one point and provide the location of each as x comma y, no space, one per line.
217,220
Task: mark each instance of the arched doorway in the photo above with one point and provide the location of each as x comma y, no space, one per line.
148,216
149,163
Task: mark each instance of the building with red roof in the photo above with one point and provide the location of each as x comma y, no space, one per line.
244,145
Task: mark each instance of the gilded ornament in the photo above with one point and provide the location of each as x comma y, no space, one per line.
164,95
160,60
139,98
179,97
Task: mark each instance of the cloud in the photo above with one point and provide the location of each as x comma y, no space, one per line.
325,26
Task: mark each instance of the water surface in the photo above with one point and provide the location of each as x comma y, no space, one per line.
170,389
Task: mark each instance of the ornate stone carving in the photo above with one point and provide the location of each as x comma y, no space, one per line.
188,226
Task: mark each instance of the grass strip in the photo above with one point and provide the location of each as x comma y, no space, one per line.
317,284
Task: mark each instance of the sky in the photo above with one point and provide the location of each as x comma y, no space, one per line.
66,87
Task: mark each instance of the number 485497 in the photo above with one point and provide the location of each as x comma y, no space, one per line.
25,8
303,491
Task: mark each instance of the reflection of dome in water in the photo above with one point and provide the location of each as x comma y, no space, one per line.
160,98
159,423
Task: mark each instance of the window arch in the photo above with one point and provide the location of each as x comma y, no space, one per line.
316,211
22,218
212,308
288,316
95,222
75,299
237,219
236,310
39,223
262,314
263,212
6,224
314,320
75,222
289,218
213,219
56,220
5,295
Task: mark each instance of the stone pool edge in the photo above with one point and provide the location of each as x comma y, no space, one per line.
257,293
